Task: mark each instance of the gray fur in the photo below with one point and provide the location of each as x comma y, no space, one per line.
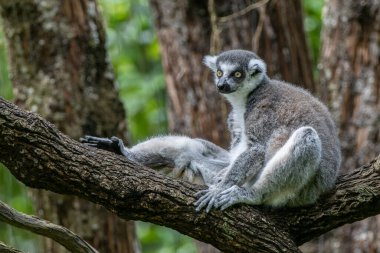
284,148
301,154
195,160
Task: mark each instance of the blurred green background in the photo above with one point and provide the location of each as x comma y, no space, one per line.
134,51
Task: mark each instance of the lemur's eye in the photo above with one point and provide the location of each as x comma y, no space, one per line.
237,74
219,73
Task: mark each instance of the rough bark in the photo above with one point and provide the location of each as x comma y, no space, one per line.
42,157
59,68
350,78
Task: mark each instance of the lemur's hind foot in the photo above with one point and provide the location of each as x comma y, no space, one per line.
112,144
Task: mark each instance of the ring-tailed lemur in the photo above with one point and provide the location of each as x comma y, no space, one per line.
284,149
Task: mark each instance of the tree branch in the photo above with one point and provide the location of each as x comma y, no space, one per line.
42,157
6,249
59,234
356,197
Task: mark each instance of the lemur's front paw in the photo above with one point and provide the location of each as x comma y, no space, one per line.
112,144
207,198
228,197
235,195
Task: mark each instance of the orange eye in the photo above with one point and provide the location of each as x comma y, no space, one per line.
219,73
237,74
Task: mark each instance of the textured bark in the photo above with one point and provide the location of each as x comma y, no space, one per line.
350,74
350,78
41,157
273,29
59,68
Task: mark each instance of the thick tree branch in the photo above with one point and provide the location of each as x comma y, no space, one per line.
59,234
41,157
356,197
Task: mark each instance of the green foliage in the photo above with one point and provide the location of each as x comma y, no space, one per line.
5,86
313,25
156,239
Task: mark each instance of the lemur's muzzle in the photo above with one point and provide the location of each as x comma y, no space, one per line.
223,86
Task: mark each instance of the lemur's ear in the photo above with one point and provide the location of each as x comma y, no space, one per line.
210,61
256,66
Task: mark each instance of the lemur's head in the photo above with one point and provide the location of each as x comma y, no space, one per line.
236,70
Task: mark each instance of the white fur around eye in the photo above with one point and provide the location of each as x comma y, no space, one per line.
227,67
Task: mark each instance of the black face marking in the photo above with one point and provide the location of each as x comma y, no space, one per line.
235,77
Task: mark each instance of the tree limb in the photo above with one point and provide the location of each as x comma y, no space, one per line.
59,234
356,197
42,157
6,249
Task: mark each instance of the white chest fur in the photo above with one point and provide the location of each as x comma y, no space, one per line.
238,100
239,122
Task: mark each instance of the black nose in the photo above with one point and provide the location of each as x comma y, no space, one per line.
224,87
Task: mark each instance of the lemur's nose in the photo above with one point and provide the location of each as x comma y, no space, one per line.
222,84
223,87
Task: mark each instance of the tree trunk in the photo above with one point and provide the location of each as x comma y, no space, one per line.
59,69
188,30
350,78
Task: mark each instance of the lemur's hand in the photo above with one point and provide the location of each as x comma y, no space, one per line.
112,144
207,198
234,195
